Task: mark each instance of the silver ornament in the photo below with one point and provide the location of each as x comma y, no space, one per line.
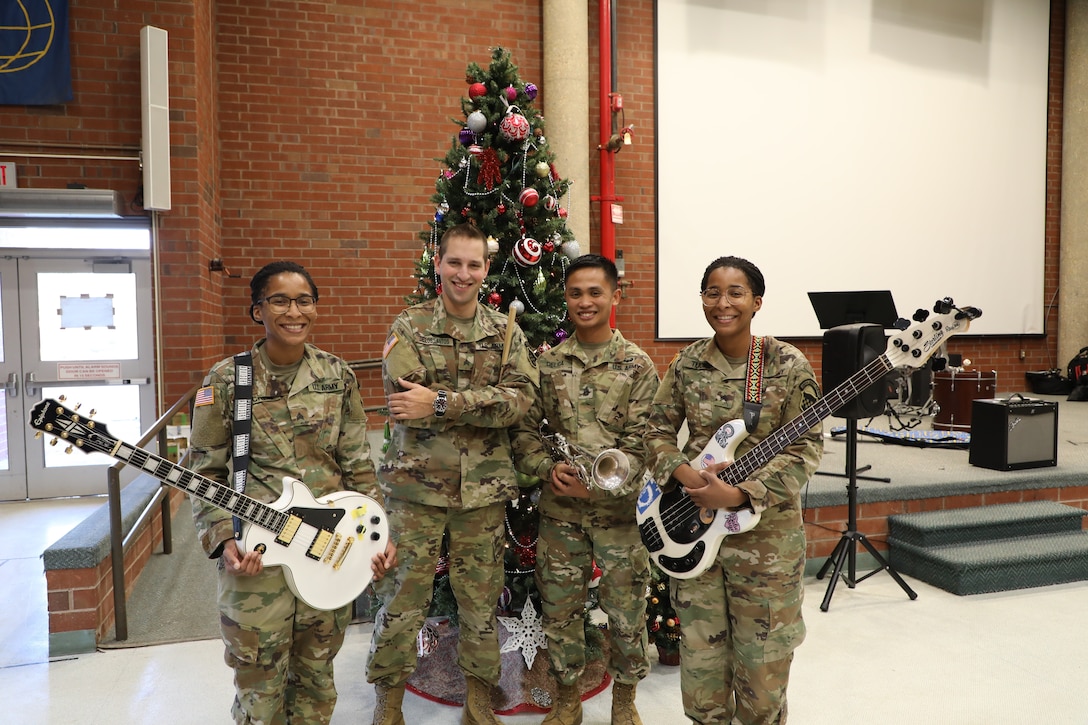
572,249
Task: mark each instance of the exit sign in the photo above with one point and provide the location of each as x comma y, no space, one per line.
7,174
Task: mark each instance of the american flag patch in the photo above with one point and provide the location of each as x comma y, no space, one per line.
204,396
389,344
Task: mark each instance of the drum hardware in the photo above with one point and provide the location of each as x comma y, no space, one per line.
608,470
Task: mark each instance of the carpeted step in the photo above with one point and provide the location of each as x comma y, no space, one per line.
996,565
982,523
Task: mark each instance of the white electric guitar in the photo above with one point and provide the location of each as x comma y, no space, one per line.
683,538
324,545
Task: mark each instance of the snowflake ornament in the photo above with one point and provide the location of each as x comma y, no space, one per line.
526,634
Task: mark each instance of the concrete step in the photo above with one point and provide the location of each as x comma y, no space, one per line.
983,523
995,565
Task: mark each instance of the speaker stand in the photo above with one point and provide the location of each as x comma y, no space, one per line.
852,469
846,550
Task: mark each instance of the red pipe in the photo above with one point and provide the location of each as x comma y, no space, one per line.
607,162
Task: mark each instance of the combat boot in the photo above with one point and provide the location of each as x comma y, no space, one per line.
567,708
623,705
387,703
478,703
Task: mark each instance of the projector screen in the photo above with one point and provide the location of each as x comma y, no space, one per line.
846,145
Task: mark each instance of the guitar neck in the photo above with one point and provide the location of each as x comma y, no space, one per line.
217,494
743,467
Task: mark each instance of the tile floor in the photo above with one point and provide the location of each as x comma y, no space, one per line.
874,657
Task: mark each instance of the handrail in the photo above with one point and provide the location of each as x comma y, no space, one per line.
113,488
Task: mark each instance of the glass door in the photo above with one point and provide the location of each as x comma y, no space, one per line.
80,331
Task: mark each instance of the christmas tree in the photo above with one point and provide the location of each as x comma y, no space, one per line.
500,175
662,622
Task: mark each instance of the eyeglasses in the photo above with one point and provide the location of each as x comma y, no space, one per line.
282,303
711,295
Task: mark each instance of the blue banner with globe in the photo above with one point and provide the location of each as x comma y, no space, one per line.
35,64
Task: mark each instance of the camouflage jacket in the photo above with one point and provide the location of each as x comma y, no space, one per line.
703,388
315,432
595,400
461,460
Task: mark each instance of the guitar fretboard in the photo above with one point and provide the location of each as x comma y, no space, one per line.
217,494
776,442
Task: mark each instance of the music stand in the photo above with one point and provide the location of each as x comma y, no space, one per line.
845,308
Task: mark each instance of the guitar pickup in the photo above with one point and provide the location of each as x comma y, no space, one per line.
651,537
320,544
287,533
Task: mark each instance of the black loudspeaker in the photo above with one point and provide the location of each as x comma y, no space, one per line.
1014,433
847,349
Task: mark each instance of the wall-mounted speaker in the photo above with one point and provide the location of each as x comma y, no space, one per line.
847,349
155,117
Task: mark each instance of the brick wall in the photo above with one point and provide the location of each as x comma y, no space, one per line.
81,600
311,131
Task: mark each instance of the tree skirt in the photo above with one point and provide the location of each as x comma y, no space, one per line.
519,690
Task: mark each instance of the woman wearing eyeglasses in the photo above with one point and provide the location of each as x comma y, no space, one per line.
741,618
307,423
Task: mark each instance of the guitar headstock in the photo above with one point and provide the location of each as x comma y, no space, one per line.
49,416
913,346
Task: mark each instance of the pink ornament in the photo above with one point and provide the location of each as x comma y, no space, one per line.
527,252
476,90
529,197
511,93
514,126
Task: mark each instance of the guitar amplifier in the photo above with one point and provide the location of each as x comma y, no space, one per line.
1014,433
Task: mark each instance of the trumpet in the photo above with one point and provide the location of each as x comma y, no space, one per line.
608,470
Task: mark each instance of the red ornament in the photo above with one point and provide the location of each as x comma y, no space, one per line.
529,197
549,246
527,252
494,299
489,169
562,213
476,90
501,208
514,126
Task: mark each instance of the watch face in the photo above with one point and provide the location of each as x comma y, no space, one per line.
440,403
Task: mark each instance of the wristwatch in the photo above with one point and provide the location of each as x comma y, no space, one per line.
441,404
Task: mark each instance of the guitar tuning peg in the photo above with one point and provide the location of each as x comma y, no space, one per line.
92,413
62,398
68,449
943,307
901,324
920,315
52,441
77,406
38,434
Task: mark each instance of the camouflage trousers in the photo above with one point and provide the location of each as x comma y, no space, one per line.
280,648
477,538
565,553
740,622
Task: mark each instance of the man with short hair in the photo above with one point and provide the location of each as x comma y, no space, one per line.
454,393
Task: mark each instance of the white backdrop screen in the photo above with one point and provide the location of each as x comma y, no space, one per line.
853,145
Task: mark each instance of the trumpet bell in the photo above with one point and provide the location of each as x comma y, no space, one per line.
610,469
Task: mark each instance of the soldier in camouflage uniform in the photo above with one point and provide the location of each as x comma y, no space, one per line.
595,391
453,395
741,618
308,423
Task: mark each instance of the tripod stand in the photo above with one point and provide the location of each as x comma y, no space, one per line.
846,549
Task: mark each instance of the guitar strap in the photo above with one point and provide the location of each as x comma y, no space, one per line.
242,426
753,392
